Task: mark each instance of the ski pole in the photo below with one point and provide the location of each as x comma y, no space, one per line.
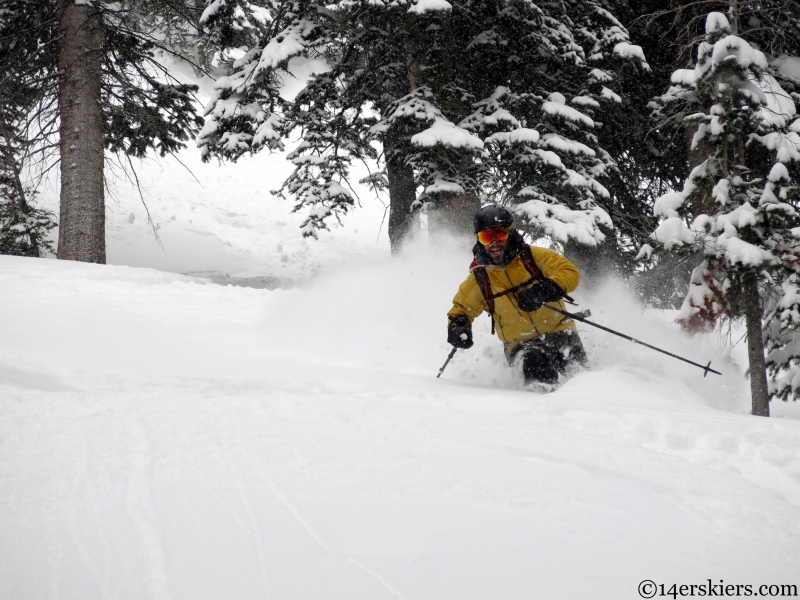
444,366
706,369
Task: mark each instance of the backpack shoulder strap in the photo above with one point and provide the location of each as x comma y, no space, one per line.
530,265
482,277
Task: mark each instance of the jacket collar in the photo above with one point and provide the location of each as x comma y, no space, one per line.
515,244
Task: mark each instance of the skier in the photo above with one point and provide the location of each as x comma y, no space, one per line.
512,281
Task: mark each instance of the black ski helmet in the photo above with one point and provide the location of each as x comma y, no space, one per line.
490,216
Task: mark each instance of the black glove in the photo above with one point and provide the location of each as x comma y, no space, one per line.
532,298
459,332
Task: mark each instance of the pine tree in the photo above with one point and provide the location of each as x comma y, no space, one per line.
738,207
479,100
101,87
655,157
248,112
23,227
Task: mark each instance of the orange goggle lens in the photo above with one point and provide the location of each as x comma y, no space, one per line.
487,236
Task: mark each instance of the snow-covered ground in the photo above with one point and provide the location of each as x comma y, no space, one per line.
163,436
169,438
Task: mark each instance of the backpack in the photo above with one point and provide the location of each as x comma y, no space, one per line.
482,277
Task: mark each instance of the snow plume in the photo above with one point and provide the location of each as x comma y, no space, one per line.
389,316
612,305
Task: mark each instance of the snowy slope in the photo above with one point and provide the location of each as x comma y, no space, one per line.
163,437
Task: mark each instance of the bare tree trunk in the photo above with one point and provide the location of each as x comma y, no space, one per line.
81,234
402,194
751,302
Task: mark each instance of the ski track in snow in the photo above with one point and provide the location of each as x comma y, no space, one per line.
317,537
141,511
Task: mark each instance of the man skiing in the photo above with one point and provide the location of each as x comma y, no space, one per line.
512,281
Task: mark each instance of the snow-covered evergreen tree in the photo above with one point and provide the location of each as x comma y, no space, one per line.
657,158
489,100
738,207
24,228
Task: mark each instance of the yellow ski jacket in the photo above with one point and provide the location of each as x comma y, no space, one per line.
513,325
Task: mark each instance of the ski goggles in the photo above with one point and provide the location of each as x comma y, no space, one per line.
487,236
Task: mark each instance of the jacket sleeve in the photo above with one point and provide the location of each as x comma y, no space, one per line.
469,300
557,267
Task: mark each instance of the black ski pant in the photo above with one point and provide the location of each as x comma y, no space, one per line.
547,356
